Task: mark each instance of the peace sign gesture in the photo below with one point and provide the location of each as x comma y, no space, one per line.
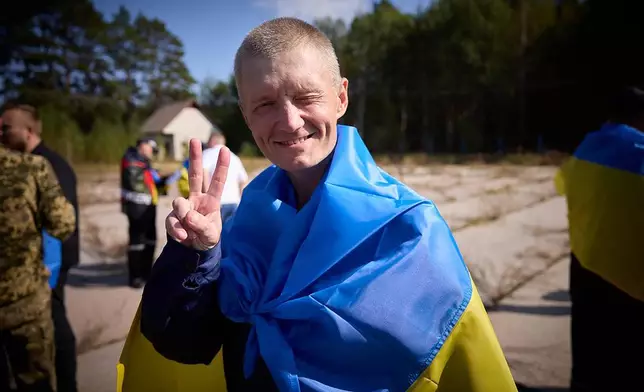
196,221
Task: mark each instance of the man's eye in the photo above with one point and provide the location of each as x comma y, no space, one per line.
263,105
307,99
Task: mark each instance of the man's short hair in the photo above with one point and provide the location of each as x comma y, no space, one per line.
628,105
148,140
29,110
216,133
277,36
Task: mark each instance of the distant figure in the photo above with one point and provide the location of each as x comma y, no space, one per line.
141,186
25,136
604,187
235,182
31,201
237,176
180,176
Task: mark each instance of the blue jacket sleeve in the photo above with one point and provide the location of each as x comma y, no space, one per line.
52,256
180,313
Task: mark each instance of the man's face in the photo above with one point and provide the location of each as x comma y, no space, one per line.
292,106
15,130
215,141
146,150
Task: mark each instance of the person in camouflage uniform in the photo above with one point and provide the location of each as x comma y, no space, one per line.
24,130
30,200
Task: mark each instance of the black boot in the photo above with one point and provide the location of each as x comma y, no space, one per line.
134,259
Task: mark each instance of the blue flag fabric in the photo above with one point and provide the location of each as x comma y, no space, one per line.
615,146
356,291
52,256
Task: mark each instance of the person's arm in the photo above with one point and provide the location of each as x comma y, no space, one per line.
159,181
206,180
242,176
70,248
57,213
180,313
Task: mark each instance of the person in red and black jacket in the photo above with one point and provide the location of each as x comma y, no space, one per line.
141,186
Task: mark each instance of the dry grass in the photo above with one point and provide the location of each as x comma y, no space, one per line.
90,339
93,339
495,191
94,243
550,158
99,171
93,170
491,214
99,183
513,277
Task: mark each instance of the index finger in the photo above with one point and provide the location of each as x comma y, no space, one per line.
221,172
195,169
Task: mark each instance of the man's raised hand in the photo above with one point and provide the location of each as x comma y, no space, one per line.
196,221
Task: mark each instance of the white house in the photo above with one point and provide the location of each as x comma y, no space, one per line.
175,124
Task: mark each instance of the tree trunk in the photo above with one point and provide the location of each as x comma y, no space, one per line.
427,140
522,72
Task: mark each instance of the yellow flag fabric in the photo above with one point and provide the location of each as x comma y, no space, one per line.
142,369
183,184
470,360
604,187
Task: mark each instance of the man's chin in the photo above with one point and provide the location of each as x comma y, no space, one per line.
300,164
294,166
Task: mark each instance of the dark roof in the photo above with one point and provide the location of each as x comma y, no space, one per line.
163,115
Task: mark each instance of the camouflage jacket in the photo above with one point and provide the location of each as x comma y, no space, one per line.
30,200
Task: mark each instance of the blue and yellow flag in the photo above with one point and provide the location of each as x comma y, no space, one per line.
604,187
366,291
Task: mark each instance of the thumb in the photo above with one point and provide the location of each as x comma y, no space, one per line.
207,228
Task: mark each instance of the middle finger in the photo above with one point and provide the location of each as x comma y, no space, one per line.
195,169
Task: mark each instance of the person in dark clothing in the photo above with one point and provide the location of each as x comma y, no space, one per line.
30,142
140,189
602,184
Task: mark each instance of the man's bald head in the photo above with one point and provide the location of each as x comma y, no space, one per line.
27,113
21,127
278,36
216,138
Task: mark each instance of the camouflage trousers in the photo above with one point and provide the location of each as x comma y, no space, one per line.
27,345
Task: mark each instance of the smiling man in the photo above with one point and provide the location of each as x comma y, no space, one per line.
332,275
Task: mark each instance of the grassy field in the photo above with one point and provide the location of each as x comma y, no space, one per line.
99,172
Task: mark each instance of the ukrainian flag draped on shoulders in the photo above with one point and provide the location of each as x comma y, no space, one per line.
363,289
604,186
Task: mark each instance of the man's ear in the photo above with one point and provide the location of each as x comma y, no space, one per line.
343,98
35,128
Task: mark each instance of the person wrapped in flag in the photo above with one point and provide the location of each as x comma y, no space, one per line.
332,275
603,183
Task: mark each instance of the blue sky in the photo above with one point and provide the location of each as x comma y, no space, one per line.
211,30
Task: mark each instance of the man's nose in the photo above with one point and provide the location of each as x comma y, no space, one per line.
290,117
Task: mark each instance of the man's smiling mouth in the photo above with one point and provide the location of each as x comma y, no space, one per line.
295,141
